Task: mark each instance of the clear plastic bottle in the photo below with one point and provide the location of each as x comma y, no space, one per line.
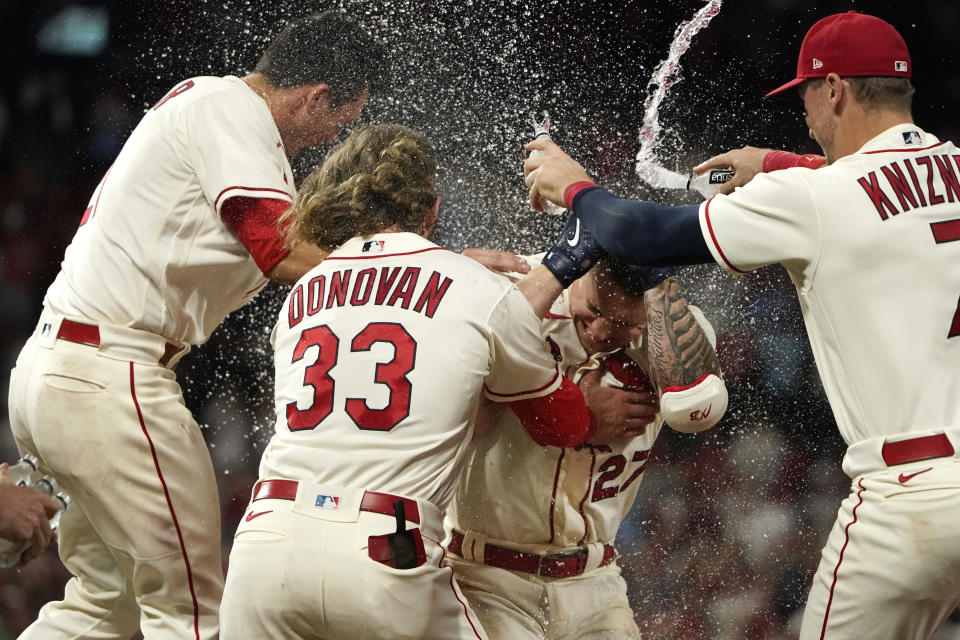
22,472
49,486
541,130
709,182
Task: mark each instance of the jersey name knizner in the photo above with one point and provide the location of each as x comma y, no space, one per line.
914,182
404,287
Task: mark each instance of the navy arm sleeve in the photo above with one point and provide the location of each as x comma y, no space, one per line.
640,232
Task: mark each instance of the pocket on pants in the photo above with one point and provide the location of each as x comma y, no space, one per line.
259,536
379,549
72,383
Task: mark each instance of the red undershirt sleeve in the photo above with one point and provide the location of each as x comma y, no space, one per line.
254,222
776,160
559,419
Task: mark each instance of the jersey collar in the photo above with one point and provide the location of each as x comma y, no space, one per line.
904,137
382,245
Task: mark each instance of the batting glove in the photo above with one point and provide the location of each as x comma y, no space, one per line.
574,253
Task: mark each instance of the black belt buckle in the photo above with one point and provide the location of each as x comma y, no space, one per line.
403,544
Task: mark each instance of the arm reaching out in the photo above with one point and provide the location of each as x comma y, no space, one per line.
502,262
747,162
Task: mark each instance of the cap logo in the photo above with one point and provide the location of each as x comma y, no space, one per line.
817,63
901,66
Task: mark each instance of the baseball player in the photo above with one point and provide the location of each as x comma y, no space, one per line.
382,354
532,542
181,231
872,243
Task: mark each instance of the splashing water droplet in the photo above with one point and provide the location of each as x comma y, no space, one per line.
667,74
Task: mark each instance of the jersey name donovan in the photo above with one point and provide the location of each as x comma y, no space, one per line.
391,286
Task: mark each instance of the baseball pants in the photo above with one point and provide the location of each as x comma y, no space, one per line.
891,567
142,534
302,569
513,605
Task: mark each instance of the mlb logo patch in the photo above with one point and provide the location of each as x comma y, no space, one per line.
817,63
901,66
912,137
327,502
373,246
45,329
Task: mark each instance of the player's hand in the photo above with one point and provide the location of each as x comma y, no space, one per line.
25,515
746,163
617,412
548,174
574,253
502,262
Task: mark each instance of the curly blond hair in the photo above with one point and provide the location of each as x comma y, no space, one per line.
382,176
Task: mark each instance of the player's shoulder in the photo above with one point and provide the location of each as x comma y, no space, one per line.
485,281
226,96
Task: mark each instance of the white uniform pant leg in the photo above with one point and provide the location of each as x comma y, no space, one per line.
292,576
510,604
891,567
118,438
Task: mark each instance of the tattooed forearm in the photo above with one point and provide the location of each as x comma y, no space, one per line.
678,349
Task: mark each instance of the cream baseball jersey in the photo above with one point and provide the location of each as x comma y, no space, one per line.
154,254
872,243
382,353
517,491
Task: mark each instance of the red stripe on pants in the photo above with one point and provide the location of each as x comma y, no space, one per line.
173,514
466,612
846,541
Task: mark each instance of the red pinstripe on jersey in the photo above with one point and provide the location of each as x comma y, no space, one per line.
216,201
583,500
384,255
933,146
556,374
553,495
713,236
173,513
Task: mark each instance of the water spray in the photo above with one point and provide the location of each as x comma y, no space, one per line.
667,74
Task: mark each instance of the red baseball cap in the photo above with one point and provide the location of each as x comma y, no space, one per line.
850,44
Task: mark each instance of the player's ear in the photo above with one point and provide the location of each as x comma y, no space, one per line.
317,97
835,87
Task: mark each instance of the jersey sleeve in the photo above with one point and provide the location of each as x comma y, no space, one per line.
772,219
521,365
255,222
235,149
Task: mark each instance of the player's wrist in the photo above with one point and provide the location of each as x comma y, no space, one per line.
575,252
775,160
573,190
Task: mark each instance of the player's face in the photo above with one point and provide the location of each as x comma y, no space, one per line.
605,317
818,113
319,122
